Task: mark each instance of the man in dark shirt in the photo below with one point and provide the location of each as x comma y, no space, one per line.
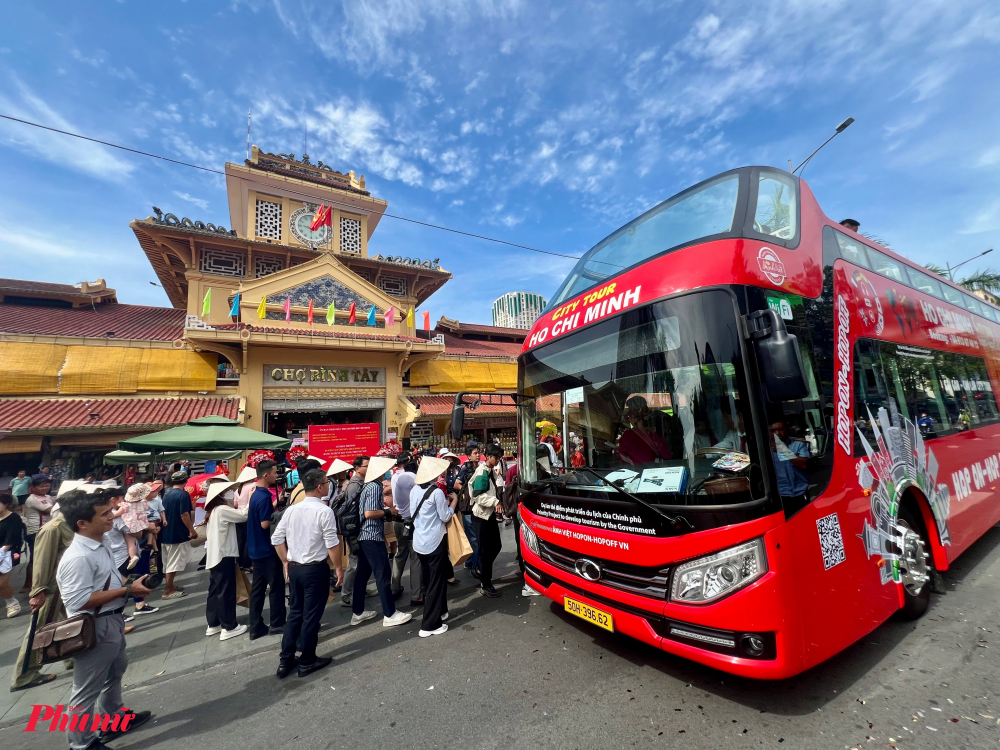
267,568
464,477
176,533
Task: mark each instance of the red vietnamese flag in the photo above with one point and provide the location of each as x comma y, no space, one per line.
322,217
427,320
309,318
351,315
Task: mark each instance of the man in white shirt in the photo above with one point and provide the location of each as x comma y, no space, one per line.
89,582
306,540
735,439
402,485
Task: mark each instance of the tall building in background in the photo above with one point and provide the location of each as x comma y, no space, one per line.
518,309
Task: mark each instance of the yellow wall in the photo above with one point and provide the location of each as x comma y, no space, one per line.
53,368
451,376
30,368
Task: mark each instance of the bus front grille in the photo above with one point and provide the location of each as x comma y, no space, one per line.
650,582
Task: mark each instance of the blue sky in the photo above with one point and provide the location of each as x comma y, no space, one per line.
544,124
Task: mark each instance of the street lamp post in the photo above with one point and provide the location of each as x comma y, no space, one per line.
840,129
951,269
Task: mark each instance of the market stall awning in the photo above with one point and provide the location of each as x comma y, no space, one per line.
441,406
205,433
57,415
127,457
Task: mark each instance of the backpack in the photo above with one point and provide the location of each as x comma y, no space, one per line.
465,494
348,512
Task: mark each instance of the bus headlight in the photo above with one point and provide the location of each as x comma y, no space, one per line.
710,578
529,537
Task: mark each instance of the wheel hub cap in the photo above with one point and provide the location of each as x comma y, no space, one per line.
913,562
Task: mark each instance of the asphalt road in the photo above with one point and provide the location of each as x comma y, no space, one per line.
518,672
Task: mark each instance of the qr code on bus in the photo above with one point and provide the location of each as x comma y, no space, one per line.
831,543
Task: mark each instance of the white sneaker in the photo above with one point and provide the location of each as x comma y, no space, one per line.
440,631
132,562
444,617
398,618
363,617
528,591
235,632
14,609
213,631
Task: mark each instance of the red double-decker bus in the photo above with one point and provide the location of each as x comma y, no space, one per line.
748,435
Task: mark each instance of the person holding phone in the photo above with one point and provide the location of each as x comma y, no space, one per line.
89,581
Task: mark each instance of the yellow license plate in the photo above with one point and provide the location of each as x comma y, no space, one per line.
588,613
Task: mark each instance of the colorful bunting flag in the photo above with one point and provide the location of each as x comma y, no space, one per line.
331,314
409,318
309,316
235,309
371,316
288,309
427,320
352,318
206,306
390,316
262,308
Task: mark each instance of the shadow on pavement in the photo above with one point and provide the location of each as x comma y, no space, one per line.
806,692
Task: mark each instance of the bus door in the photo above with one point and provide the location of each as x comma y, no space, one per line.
834,590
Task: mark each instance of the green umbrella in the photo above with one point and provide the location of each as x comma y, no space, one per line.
205,433
127,457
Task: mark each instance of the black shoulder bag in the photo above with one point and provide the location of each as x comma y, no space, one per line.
407,532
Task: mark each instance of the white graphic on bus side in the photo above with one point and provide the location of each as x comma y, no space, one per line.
901,461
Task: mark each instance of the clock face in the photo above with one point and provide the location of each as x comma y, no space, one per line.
299,223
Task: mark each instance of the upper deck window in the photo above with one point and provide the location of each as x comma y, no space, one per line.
924,283
851,250
689,216
776,212
886,266
952,295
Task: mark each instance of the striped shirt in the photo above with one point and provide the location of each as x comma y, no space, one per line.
372,529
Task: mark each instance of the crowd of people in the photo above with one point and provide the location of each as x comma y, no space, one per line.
350,529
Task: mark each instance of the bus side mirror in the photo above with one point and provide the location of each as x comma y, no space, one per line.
458,420
780,360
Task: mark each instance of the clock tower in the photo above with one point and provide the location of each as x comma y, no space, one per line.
273,197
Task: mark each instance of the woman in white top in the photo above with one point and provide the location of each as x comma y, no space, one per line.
37,508
222,549
431,513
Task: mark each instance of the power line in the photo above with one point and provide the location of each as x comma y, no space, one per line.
216,171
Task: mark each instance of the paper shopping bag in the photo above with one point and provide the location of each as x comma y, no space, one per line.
459,549
242,588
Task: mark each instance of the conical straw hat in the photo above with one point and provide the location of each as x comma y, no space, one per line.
431,468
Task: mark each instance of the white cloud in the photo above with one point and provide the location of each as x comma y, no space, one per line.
17,241
368,32
985,219
207,121
199,202
990,157
353,134
83,156
168,113
475,126
481,76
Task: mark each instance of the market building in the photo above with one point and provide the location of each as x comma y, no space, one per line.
84,371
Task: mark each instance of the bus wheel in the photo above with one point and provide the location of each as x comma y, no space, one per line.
914,567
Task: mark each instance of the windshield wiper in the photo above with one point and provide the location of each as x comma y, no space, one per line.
676,521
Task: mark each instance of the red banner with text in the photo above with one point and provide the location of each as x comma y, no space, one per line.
344,441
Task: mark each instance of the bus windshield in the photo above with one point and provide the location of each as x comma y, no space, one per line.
704,212
653,401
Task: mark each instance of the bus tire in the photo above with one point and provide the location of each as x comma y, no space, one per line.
916,597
